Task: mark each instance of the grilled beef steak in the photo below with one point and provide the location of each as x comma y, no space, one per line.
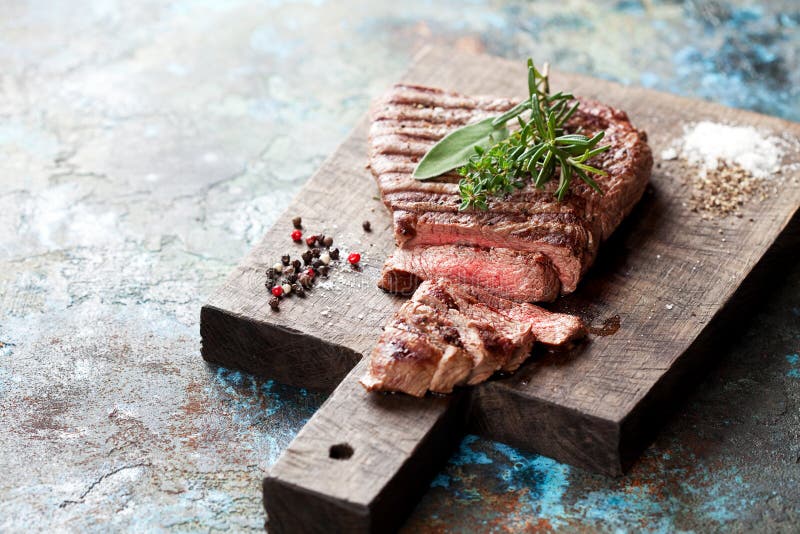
410,119
473,272
448,335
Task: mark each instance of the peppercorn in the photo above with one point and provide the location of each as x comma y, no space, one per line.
288,270
325,258
274,303
334,253
305,280
292,278
297,222
366,226
287,288
328,241
311,272
316,264
307,255
285,259
277,291
316,252
297,236
278,267
320,239
323,270
298,290
311,240
271,274
297,264
354,258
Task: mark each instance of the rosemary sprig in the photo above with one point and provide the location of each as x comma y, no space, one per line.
538,150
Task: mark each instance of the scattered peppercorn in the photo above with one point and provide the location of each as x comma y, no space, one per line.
325,258
366,226
320,239
328,241
297,264
274,303
298,290
297,222
297,236
285,259
354,258
277,291
316,252
271,274
287,288
311,240
305,280
334,253
323,270
311,273
316,264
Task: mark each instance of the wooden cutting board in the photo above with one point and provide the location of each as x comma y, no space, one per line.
363,460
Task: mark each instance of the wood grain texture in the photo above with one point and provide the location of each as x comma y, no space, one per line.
667,273
398,443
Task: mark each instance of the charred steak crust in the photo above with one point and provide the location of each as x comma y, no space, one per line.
410,119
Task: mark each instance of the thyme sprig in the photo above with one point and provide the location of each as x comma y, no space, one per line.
537,150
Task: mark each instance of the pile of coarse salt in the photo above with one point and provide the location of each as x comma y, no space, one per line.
710,144
734,162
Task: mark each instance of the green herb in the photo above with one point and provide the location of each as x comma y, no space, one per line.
457,147
493,162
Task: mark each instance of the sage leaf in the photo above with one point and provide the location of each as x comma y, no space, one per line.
455,149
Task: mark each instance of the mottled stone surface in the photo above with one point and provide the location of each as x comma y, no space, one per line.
145,147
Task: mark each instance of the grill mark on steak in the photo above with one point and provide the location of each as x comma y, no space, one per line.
410,119
449,335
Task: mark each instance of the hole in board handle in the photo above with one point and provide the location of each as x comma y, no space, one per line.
340,451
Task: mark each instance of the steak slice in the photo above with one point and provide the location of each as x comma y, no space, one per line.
520,276
446,335
410,119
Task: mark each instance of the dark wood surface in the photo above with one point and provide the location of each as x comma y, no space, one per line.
667,273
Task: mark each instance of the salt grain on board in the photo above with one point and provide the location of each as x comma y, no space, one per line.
710,144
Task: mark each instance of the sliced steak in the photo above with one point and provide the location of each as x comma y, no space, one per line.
520,276
410,119
446,335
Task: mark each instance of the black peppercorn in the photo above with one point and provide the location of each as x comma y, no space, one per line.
334,253
320,239
274,303
297,222
307,255
328,241
296,264
323,270
366,226
285,259
298,290
316,264
292,278
305,281
271,274
315,252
